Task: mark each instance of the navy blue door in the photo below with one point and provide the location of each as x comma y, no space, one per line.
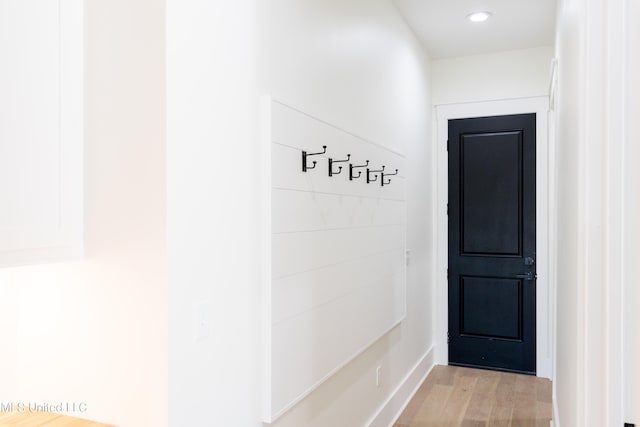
492,242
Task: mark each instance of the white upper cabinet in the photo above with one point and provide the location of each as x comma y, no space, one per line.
41,130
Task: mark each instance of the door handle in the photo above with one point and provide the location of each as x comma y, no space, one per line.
527,276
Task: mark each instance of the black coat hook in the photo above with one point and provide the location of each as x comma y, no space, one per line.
331,162
382,181
369,172
352,167
305,155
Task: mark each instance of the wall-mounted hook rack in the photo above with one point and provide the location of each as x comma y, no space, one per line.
305,155
369,172
382,181
352,167
331,162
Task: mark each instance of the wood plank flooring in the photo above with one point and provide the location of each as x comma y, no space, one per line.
462,397
43,419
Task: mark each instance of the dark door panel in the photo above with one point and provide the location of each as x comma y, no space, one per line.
491,212
492,242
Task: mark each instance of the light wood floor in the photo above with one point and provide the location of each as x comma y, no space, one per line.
43,419
463,397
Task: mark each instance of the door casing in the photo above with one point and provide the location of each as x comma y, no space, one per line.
545,295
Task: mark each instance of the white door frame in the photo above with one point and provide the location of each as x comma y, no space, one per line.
544,295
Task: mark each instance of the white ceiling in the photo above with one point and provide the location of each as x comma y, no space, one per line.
445,31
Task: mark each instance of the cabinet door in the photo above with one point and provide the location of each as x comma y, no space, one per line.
41,130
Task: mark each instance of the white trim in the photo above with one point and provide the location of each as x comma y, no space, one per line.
555,421
265,250
392,408
553,84
553,243
616,200
538,105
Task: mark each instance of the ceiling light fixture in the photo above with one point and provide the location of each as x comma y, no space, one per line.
479,16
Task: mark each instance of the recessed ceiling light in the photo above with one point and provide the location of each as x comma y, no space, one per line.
479,16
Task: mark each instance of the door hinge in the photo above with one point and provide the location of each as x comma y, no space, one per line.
447,145
447,209
529,275
448,340
447,273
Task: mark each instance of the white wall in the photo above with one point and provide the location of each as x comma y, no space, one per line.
213,202
354,64
503,75
357,66
94,330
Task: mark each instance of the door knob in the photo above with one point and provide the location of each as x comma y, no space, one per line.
529,261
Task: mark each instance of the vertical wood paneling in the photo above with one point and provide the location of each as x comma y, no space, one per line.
337,255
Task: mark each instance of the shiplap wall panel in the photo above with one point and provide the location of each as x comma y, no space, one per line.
295,211
296,295
312,250
322,333
337,255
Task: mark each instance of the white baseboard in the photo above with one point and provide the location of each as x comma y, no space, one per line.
554,413
402,395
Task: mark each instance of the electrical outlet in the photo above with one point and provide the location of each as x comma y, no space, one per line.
378,369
